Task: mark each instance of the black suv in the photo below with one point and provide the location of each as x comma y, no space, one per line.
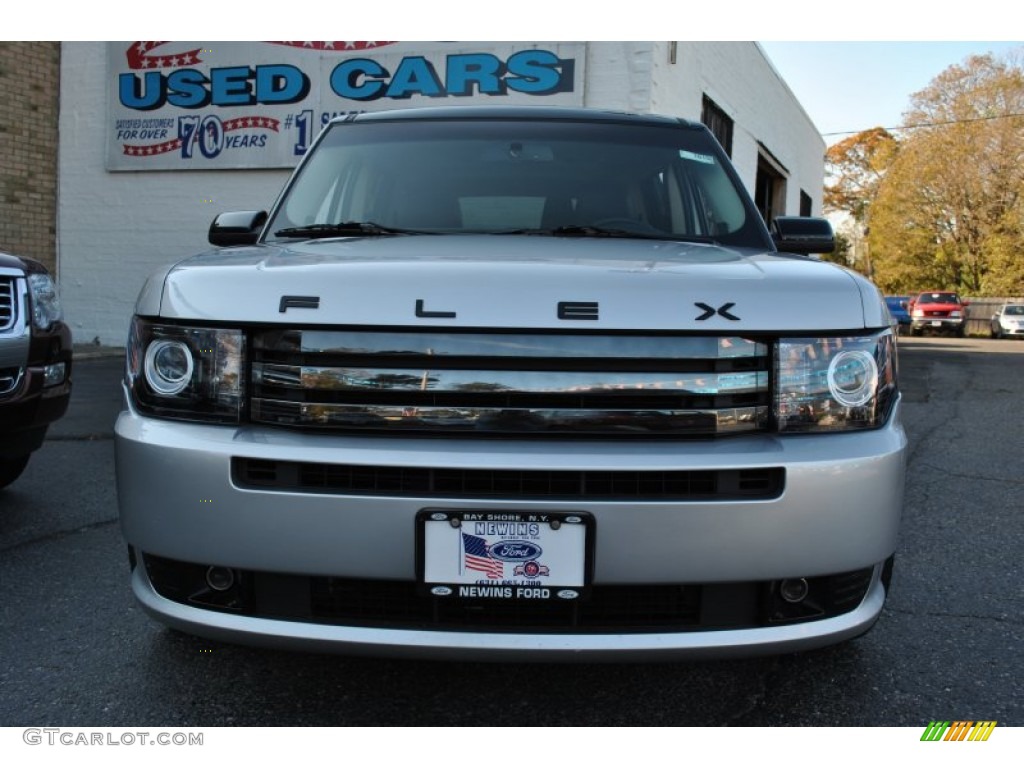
35,361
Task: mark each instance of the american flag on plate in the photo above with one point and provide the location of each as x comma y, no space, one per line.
477,558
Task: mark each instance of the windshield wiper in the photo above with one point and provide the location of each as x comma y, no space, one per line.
364,228
586,230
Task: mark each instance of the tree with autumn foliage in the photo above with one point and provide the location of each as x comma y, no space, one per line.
856,167
948,211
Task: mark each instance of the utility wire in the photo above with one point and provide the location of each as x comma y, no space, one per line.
929,125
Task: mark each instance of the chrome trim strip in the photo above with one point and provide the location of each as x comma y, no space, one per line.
511,420
516,345
323,378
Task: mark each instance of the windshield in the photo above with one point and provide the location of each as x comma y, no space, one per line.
1013,309
938,298
517,176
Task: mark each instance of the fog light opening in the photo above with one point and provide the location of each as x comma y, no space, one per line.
220,579
793,590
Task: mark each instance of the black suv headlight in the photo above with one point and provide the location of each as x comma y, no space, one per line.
46,309
835,383
186,372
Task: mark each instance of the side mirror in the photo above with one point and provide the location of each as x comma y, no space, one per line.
965,303
801,234
237,228
904,305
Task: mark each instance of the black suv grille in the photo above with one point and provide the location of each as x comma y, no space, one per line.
7,303
524,384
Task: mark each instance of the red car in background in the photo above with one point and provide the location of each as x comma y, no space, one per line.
941,311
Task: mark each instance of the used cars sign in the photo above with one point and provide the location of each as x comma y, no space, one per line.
203,105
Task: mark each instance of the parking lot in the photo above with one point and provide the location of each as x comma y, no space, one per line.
75,649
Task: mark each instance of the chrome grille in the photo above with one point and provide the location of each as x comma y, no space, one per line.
510,383
7,303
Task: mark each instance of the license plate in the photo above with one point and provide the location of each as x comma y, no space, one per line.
504,555
936,322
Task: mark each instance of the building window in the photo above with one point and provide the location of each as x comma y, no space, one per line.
805,204
770,185
719,123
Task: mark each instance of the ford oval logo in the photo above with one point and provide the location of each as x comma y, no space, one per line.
573,519
514,551
568,594
441,591
439,516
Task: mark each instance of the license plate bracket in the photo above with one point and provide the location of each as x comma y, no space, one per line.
504,555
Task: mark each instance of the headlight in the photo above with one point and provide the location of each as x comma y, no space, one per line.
832,384
917,313
956,313
45,302
186,372
168,366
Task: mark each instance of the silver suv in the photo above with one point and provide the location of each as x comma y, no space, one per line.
512,383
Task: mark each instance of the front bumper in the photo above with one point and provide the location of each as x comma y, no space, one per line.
510,646
839,511
954,324
29,407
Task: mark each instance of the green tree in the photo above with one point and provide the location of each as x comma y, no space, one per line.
949,210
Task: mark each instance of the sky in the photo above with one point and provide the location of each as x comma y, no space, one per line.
848,87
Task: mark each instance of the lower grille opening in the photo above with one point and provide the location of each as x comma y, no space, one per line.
607,608
420,482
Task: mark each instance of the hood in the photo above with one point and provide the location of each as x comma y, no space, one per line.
507,281
19,263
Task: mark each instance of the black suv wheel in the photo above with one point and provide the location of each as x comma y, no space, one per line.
11,469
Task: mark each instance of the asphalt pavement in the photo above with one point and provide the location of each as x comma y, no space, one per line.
75,649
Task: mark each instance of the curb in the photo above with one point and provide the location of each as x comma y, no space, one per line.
93,352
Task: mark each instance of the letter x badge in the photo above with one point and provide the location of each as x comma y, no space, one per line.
710,311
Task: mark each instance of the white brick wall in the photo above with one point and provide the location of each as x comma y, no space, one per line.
739,78
618,76
115,228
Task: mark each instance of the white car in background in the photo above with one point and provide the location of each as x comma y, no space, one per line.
1008,321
